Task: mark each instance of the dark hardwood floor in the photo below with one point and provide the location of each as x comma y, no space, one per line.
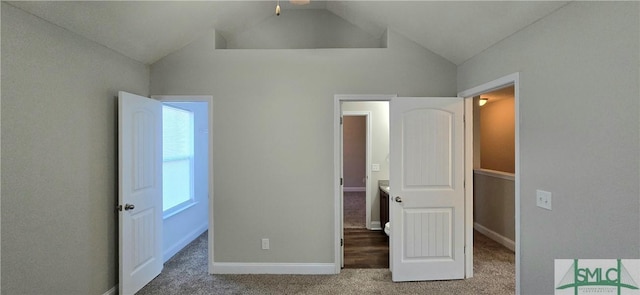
364,248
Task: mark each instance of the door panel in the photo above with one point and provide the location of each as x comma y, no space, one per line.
426,183
140,191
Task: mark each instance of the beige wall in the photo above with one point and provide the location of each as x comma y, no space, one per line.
579,135
497,135
274,169
354,151
59,186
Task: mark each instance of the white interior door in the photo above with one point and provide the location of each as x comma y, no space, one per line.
140,190
427,188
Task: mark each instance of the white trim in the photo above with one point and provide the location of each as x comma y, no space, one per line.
368,154
490,86
375,225
337,193
337,167
175,248
487,87
274,268
502,240
468,188
112,291
495,173
208,99
355,189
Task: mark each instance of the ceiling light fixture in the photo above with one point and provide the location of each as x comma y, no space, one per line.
482,101
294,2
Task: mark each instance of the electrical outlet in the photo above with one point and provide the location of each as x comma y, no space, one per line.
375,167
265,244
543,199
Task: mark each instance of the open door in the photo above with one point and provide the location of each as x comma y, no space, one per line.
427,188
140,191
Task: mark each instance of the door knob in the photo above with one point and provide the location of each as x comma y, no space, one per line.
128,207
398,199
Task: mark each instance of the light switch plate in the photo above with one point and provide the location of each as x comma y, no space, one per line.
543,199
375,167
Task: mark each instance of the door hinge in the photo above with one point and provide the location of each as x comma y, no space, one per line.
340,120
340,181
341,242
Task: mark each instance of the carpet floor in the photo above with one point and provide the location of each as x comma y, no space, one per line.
354,212
186,273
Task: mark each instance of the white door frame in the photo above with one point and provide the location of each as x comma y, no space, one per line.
512,79
337,166
209,100
368,192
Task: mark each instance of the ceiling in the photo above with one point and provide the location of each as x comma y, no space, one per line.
147,30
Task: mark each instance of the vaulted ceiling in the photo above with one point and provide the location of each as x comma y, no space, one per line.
147,31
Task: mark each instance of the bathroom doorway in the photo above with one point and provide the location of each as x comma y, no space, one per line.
365,150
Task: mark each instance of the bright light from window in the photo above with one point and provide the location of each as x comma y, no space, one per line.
177,157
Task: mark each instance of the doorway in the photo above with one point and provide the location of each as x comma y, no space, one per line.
472,97
494,165
365,245
185,173
194,217
356,151
374,110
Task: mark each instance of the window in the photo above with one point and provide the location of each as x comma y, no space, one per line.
177,159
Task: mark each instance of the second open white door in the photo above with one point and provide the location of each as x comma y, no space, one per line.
427,188
140,191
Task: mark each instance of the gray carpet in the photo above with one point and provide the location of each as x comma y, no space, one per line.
354,210
186,273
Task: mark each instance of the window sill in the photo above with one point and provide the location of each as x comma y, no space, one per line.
178,209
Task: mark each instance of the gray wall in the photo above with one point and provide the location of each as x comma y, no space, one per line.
273,134
59,157
494,204
579,135
295,29
379,148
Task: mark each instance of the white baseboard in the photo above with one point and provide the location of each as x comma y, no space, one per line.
274,268
175,248
112,291
354,189
502,240
375,225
